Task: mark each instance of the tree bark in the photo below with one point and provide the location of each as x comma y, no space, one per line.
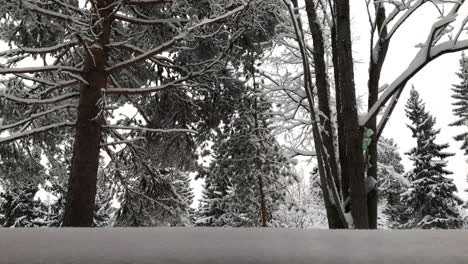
81,193
353,133
335,219
323,90
263,208
375,69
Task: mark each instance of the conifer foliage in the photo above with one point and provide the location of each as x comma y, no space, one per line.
391,183
430,200
247,180
460,94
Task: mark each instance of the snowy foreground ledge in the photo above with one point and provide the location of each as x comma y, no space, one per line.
203,245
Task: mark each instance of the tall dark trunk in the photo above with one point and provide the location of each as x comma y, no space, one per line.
339,120
353,134
81,194
323,90
263,208
262,199
375,69
335,219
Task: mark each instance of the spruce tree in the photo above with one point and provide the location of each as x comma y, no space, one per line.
246,181
430,200
460,94
391,184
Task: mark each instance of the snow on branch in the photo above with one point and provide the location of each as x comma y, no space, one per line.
37,115
30,101
14,137
60,85
429,51
156,130
139,21
51,14
159,88
159,60
129,141
410,9
399,177
19,51
293,152
39,69
148,2
170,43
34,79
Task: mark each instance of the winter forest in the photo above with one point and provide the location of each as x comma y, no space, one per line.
234,113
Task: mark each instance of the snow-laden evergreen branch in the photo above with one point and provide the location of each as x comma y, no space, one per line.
35,116
51,14
14,137
139,21
165,46
159,60
145,90
32,101
39,69
128,141
19,51
148,2
156,130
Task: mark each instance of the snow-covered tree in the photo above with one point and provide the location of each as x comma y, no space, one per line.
430,200
157,200
94,55
303,204
328,82
213,209
460,94
391,184
246,181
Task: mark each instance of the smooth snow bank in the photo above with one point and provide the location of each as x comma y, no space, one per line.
212,245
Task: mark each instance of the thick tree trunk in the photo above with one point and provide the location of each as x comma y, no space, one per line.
323,90
339,119
335,219
353,133
81,194
375,69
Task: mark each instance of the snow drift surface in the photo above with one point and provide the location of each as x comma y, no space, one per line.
212,245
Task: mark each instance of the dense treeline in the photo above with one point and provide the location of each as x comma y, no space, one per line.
108,109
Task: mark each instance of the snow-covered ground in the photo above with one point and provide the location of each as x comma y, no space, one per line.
216,245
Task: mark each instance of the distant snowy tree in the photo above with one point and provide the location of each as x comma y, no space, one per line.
391,184
214,205
460,94
166,200
247,179
303,206
430,200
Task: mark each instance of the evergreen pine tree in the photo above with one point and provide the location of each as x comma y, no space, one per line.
213,207
157,200
246,181
460,94
391,184
430,200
